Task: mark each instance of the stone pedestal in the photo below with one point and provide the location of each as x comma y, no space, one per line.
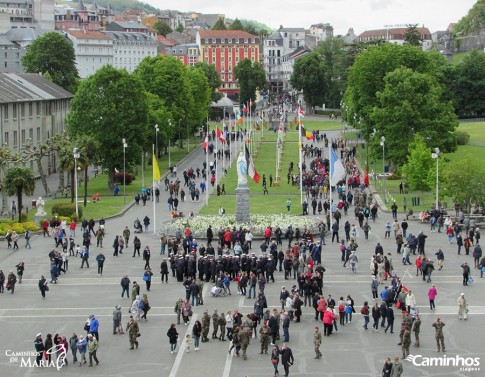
242,204
39,217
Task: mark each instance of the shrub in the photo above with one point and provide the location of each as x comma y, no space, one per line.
30,225
23,217
19,228
118,178
74,217
65,209
462,137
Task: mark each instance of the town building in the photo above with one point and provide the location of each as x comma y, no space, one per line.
279,44
188,54
83,17
395,35
321,31
35,14
93,50
10,55
225,49
32,110
129,49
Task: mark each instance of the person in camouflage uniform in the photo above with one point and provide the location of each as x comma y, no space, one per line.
200,284
264,331
133,331
222,326
178,309
317,341
206,322
215,324
438,325
406,342
244,339
405,322
416,330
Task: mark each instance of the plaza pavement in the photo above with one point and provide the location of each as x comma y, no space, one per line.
351,351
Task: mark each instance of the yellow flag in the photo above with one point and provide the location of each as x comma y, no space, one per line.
156,169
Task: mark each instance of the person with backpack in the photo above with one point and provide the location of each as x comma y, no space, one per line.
365,312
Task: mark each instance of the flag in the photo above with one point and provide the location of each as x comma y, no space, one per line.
251,169
220,135
240,121
245,109
337,170
156,169
206,141
300,113
305,133
250,103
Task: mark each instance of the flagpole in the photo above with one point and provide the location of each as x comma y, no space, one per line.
207,165
153,189
300,148
216,162
330,183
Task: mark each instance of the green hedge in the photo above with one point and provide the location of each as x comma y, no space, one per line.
63,209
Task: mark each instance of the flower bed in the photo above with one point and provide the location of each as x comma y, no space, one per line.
199,224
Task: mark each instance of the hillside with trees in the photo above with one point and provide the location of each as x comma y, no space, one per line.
473,21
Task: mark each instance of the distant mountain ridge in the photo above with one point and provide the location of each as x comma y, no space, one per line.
473,21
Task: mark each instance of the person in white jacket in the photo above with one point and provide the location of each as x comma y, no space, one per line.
410,300
229,325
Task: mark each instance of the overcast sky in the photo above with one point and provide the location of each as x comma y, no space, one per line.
341,14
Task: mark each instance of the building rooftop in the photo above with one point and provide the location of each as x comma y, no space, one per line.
130,24
225,34
26,87
424,31
88,34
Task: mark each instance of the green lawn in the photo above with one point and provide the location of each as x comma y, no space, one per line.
107,206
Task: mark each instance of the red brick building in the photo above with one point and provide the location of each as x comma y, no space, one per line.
225,49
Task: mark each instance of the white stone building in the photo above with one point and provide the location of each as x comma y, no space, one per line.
129,49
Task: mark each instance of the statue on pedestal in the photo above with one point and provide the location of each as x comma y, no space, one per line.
242,170
39,204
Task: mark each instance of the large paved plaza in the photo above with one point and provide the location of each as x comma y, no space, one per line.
352,351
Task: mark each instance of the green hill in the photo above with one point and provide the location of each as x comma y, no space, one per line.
121,5
474,20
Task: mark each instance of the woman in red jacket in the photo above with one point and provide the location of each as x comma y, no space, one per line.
328,318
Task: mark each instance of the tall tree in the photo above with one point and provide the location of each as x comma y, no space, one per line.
469,85
309,76
165,76
111,105
201,94
219,25
410,104
464,181
213,78
236,25
32,152
419,163
251,77
412,36
52,53
6,158
18,181
180,28
162,28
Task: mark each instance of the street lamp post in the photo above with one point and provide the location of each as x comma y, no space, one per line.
76,155
168,137
125,145
436,156
156,140
383,142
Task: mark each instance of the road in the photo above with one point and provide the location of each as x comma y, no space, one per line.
352,351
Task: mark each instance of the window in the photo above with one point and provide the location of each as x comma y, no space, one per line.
39,108
229,40
5,139
38,134
245,40
15,141
223,40
22,133
30,109
31,134
5,112
14,111
22,110
213,41
206,41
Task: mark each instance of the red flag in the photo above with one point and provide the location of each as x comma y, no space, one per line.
251,168
245,109
220,135
206,142
250,103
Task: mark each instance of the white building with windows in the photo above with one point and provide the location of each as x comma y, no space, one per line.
34,14
129,49
93,50
32,110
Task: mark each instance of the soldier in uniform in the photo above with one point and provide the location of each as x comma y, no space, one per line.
178,309
244,340
264,331
406,342
200,283
416,330
206,321
215,324
405,322
132,330
317,340
438,325
222,326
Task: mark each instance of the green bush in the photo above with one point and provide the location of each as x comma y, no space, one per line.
462,138
23,217
65,209
30,225
118,178
74,217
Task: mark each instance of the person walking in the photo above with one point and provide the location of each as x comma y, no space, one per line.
73,345
20,271
39,348
147,277
100,258
462,307
387,368
440,340
82,346
11,281
317,341
43,286
196,332
92,349
275,359
27,239
133,331
94,326
117,327
397,368
466,273
173,336
125,286
417,330
286,358
432,293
